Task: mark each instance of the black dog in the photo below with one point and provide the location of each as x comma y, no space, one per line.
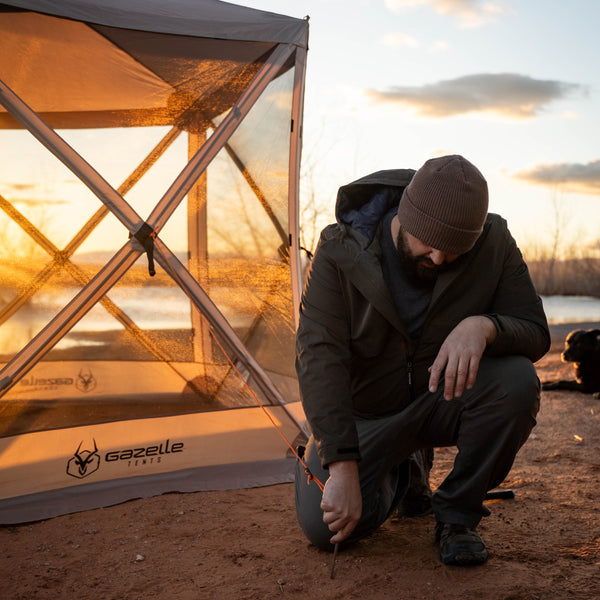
583,349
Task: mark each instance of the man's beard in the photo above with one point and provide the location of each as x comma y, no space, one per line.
420,270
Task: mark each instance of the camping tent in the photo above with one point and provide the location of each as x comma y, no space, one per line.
149,264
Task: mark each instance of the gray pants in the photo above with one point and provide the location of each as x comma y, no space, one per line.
488,425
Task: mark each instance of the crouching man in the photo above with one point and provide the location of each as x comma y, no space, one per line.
418,327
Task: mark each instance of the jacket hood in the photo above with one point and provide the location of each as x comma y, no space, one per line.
362,203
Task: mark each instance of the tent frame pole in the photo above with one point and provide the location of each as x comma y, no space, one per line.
219,323
61,258
294,179
110,274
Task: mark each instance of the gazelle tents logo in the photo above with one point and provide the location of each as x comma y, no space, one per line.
85,381
84,462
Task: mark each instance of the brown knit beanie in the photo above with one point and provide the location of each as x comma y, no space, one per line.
445,204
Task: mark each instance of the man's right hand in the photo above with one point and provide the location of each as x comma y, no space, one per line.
342,499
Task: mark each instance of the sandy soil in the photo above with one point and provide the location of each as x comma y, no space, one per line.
246,544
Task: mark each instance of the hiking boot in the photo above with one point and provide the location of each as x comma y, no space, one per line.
460,545
417,500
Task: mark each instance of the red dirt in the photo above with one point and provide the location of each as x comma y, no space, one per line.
246,544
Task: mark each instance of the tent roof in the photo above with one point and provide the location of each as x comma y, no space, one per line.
201,18
145,61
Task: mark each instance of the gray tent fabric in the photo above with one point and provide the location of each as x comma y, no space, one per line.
116,382
198,18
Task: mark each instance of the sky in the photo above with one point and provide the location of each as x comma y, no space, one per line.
512,86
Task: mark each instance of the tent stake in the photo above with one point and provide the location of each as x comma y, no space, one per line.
335,551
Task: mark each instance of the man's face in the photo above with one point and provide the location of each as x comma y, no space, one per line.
422,264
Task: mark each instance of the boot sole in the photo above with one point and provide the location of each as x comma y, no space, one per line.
465,559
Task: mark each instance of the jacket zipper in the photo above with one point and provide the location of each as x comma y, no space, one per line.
409,371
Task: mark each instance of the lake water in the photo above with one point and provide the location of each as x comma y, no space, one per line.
170,309
571,309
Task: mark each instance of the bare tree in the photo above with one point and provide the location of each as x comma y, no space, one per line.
560,221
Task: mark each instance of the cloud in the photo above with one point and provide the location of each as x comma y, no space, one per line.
471,13
506,94
280,100
21,187
398,38
570,177
32,201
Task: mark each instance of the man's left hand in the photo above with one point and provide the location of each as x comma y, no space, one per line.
460,354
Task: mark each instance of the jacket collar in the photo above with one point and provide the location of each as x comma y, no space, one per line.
363,269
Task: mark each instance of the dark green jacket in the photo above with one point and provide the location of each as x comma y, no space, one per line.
353,352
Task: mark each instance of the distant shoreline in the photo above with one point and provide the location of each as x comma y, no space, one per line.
559,331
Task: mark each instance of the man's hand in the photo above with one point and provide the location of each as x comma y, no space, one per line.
460,354
342,499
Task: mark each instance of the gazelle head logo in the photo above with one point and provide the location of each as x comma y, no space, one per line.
86,381
83,462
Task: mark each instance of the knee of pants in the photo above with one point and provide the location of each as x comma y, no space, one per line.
519,384
309,513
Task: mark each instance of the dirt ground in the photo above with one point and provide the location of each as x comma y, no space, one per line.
246,544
